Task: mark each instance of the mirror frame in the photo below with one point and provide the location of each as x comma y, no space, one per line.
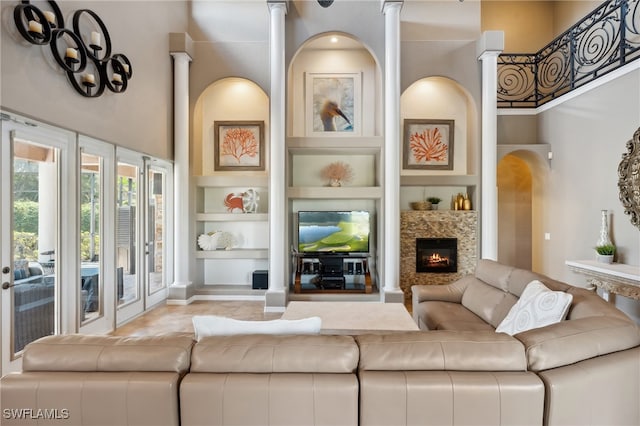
629,179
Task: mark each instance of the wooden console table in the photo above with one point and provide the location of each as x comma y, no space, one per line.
616,278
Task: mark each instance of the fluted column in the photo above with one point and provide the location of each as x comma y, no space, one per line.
489,47
182,244
275,298
391,245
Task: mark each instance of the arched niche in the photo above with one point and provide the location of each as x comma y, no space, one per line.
340,54
228,99
522,172
443,98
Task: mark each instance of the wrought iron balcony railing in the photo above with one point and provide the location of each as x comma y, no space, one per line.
605,40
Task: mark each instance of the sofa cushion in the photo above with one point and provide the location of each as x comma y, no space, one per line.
537,307
576,340
212,325
488,302
441,350
275,354
74,352
439,315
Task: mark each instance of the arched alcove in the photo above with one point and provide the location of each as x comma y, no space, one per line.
441,98
340,55
521,174
228,99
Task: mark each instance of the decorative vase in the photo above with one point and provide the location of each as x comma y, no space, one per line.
604,239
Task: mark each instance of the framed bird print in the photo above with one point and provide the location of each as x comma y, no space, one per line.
333,104
428,144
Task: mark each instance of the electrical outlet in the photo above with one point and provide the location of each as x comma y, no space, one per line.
547,236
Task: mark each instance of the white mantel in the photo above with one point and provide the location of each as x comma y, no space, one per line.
616,278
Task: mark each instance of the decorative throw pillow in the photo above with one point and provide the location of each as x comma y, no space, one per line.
212,325
21,269
537,307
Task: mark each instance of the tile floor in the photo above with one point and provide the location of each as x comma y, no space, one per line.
177,318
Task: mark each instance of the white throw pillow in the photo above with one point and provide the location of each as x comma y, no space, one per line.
537,307
212,325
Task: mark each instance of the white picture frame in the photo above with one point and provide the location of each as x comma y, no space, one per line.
333,104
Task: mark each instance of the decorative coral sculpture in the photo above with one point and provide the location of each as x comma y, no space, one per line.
337,173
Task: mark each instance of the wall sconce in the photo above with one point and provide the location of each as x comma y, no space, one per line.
84,53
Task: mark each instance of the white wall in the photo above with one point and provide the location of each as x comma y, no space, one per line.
34,85
588,135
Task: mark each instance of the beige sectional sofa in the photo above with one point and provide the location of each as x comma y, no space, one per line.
589,363
582,371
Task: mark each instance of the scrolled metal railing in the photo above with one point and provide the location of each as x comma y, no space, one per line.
603,41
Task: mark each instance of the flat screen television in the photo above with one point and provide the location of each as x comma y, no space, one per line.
333,232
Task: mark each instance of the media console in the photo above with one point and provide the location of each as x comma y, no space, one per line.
320,273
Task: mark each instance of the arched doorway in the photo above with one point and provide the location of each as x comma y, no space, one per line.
520,177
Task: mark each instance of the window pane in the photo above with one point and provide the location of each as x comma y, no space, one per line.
90,208
126,234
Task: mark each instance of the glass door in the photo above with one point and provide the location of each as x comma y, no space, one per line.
157,244
128,236
31,248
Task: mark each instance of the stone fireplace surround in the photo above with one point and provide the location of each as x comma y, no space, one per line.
414,224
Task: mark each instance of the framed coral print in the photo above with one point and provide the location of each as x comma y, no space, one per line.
238,145
428,144
332,104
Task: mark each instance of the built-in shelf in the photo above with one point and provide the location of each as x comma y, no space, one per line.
250,179
439,180
232,217
233,254
337,145
326,192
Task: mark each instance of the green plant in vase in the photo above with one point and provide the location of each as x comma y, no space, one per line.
605,253
434,202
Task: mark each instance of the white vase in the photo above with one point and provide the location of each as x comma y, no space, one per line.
604,239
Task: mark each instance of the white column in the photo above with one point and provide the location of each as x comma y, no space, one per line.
275,298
489,47
181,169
391,247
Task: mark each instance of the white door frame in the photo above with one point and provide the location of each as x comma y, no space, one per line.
106,321
152,299
13,126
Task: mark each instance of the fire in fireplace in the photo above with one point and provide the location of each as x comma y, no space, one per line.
436,255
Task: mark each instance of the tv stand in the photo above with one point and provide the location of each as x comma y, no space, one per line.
332,273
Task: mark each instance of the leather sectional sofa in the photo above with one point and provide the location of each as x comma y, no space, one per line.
582,371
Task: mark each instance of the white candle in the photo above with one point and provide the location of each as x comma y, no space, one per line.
125,67
35,27
117,77
95,38
72,53
89,78
50,16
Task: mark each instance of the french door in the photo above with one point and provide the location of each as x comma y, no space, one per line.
143,233
34,256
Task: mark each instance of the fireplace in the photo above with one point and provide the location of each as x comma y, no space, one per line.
436,255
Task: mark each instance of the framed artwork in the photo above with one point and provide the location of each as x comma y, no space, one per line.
428,144
238,145
333,104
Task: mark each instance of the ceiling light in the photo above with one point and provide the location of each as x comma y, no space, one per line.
334,39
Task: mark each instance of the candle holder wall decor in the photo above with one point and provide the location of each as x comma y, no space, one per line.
72,50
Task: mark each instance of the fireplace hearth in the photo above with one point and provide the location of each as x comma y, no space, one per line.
436,255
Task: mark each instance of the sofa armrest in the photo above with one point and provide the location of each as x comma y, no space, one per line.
443,293
570,341
440,351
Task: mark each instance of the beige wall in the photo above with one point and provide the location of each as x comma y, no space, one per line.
33,85
530,25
